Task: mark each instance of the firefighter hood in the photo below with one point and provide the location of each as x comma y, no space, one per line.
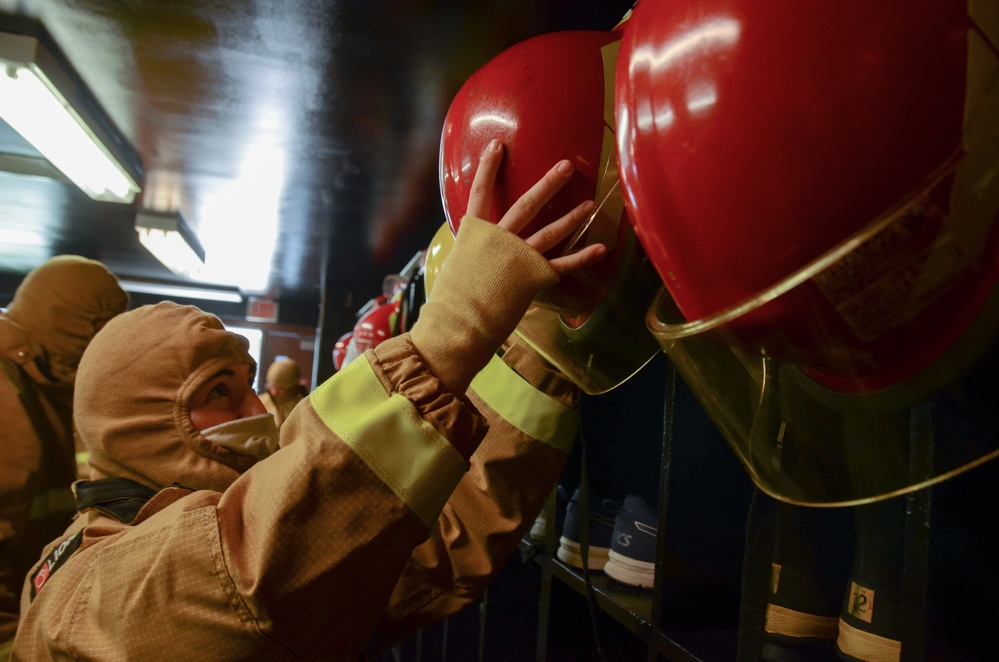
133,393
57,307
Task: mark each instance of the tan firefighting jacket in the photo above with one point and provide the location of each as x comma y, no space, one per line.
391,502
42,336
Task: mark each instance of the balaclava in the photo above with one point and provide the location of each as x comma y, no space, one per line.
58,305
133,392
283,374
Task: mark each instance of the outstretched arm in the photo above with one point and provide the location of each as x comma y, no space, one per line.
492,274
531,412
375,454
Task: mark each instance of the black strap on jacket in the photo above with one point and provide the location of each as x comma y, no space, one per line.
119,498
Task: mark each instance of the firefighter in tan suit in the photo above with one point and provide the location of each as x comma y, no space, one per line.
401,485
56,310
283,390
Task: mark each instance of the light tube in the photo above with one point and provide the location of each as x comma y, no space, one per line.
168,238
31,103
165,290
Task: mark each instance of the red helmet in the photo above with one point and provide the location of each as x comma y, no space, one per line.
544,100
816,185
373,327
763,142
340,349
549,98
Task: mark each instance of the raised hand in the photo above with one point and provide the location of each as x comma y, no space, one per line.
518,217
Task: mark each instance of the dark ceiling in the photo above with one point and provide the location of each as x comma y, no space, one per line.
315,120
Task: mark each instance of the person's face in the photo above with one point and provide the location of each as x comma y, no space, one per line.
227,396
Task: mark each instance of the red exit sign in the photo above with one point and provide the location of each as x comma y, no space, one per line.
261,310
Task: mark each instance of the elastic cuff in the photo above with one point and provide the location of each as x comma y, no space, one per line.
400,368
481,294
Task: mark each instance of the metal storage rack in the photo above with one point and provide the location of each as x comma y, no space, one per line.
692,618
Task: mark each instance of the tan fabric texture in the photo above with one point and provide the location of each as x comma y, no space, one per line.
507,485
47,327
300,555
475,313
397,362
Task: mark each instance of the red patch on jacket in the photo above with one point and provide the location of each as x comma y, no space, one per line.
53,562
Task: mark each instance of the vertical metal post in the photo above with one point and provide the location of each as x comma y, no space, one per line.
755,576
544,604
917,535
658,586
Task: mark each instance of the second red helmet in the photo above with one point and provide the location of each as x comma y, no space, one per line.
818,179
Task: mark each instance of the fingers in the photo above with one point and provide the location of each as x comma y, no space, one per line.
529,204
480,202
582,258
549,236
480,198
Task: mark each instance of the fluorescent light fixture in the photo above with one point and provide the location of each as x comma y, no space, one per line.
44,100
171,241
181,291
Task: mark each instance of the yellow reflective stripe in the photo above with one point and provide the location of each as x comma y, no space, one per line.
405,452
59,500
83,457
526,408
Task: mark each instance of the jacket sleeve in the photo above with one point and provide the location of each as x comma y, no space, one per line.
369,467
316,536
533,420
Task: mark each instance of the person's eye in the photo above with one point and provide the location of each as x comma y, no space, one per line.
220,391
